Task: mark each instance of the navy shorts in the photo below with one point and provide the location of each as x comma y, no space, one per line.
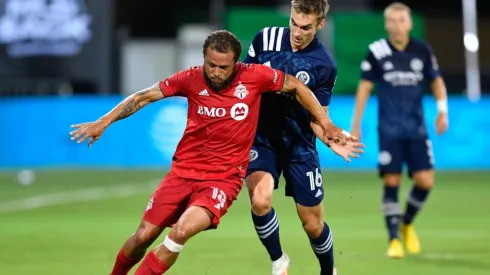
394,153
304,181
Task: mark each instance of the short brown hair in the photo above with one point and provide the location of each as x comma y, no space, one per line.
319,7
397,6
222,41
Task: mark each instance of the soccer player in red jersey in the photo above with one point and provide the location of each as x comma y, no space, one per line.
211,159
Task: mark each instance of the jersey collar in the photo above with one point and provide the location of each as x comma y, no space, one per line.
287,46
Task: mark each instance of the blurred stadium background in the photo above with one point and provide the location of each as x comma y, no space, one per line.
65,208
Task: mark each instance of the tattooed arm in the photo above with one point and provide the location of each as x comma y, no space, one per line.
127,107
133,103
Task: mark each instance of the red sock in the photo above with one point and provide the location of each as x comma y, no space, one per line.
151,265
123,264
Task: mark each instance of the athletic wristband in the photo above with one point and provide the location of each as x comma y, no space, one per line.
442,106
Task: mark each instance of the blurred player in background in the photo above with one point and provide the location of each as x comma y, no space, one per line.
211,159
399,66
290,146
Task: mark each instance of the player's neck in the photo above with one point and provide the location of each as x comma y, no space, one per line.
298,48
400,45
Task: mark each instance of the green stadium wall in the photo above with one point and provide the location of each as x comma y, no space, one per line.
352,32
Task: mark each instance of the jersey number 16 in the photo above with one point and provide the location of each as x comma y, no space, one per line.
315,179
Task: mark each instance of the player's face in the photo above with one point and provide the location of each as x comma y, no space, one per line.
398,24
219,68
303,28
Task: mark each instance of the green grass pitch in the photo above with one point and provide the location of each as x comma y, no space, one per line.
74,222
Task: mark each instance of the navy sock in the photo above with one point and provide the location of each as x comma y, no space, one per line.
415,201
267,228
391,210
323,248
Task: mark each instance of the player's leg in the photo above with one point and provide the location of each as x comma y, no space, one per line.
161,212
420,164
305,184
134,248
194,220
262,178
209,202
390,166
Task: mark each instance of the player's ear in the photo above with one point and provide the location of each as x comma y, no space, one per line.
320,25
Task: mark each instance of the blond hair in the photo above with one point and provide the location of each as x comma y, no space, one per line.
397,6
318,7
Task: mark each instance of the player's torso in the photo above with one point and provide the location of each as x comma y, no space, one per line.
292,133
220,124
400,91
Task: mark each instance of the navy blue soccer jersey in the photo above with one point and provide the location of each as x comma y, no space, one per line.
283,123
399,77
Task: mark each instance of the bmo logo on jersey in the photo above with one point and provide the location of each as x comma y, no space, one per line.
238,111
211,111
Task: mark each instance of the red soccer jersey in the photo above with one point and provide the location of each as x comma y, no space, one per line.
220,125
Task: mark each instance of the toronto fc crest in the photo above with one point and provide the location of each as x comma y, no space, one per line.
240,91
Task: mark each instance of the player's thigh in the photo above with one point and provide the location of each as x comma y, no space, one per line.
420,162
194,220
216,196
390,159
263,159
168,202
304,181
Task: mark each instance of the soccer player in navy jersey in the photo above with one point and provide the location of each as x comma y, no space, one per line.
285,141
399,66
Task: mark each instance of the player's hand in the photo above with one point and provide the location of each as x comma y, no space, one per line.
330,132
350,150
92,130
442,123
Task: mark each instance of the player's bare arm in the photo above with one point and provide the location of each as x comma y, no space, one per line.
309,101
439,89
352,149
126,108
306,98
363,92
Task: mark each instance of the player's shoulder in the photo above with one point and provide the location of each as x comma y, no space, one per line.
191,74
271,31
270,38
420,45
252,68
380,49
324,56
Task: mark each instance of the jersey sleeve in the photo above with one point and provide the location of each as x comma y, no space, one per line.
175,85
270,80
324,92
253,50
431,67
369,68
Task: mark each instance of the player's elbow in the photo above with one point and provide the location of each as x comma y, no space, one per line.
292,84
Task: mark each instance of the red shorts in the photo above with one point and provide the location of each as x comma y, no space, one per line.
175,194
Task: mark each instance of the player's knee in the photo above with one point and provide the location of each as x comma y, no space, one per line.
260,188
313,227
261,203
193,221
311,219
144,237
424,179
392,180
181,232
